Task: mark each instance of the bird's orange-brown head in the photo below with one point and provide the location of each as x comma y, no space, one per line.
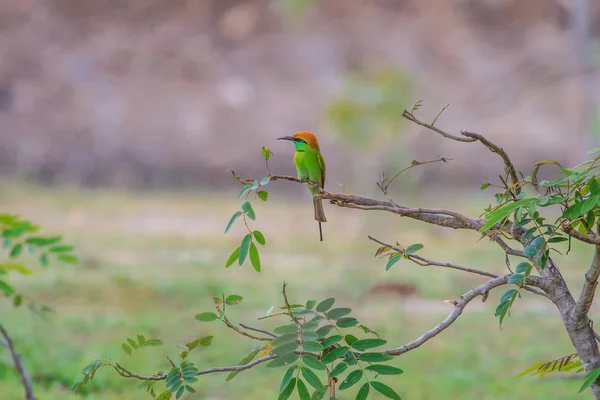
303,137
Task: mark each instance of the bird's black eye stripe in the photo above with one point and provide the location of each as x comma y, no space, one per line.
299,140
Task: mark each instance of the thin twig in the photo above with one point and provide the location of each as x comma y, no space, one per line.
423,262
439,114
258,330
449,320
409,116
25,378
385,183
289,308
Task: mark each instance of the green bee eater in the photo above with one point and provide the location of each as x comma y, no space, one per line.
311,166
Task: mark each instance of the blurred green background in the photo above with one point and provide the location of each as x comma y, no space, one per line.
121,121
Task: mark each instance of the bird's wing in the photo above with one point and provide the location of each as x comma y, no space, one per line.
321,162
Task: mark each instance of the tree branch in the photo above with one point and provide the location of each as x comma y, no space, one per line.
409,116
589,288
591,238
25,378
453,316
259,330
424,262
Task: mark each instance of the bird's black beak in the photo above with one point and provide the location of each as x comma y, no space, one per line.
286,138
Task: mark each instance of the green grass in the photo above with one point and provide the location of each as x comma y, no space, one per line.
150,261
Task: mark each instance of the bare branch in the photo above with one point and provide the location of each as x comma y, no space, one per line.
259,330
454,314
589,288
507,249
385,183
591,238
25,378
409,116
510,168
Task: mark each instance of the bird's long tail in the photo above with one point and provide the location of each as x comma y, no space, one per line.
319,214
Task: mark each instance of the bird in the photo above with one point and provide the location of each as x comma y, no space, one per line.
310,166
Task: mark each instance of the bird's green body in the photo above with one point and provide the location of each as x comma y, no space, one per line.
311,167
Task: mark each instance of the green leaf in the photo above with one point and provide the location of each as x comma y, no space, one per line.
499,214
384,369
313,362
350,339
234,217
180,392
288,359
285,349
507,295
16,250
413,248
334,354
588,204
365,344
483,187
318,395
264,181
287,392
132,343
324,330
165,395
243,192
60,249
254,257
283,339
17,301
363,393
374,357
310,304
312,379
127,348
385,390
302,390
232,258
44,259
393,260
523,267
233,299
594,186
557,239
312,346
339,369
352,378
247,208
266,153
331,340
67,258
260,238
263,195
287,378
515,279
325,304
589,379
244,247
206,317
243,361
310,336
346,322
285,329
6,288
337,313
